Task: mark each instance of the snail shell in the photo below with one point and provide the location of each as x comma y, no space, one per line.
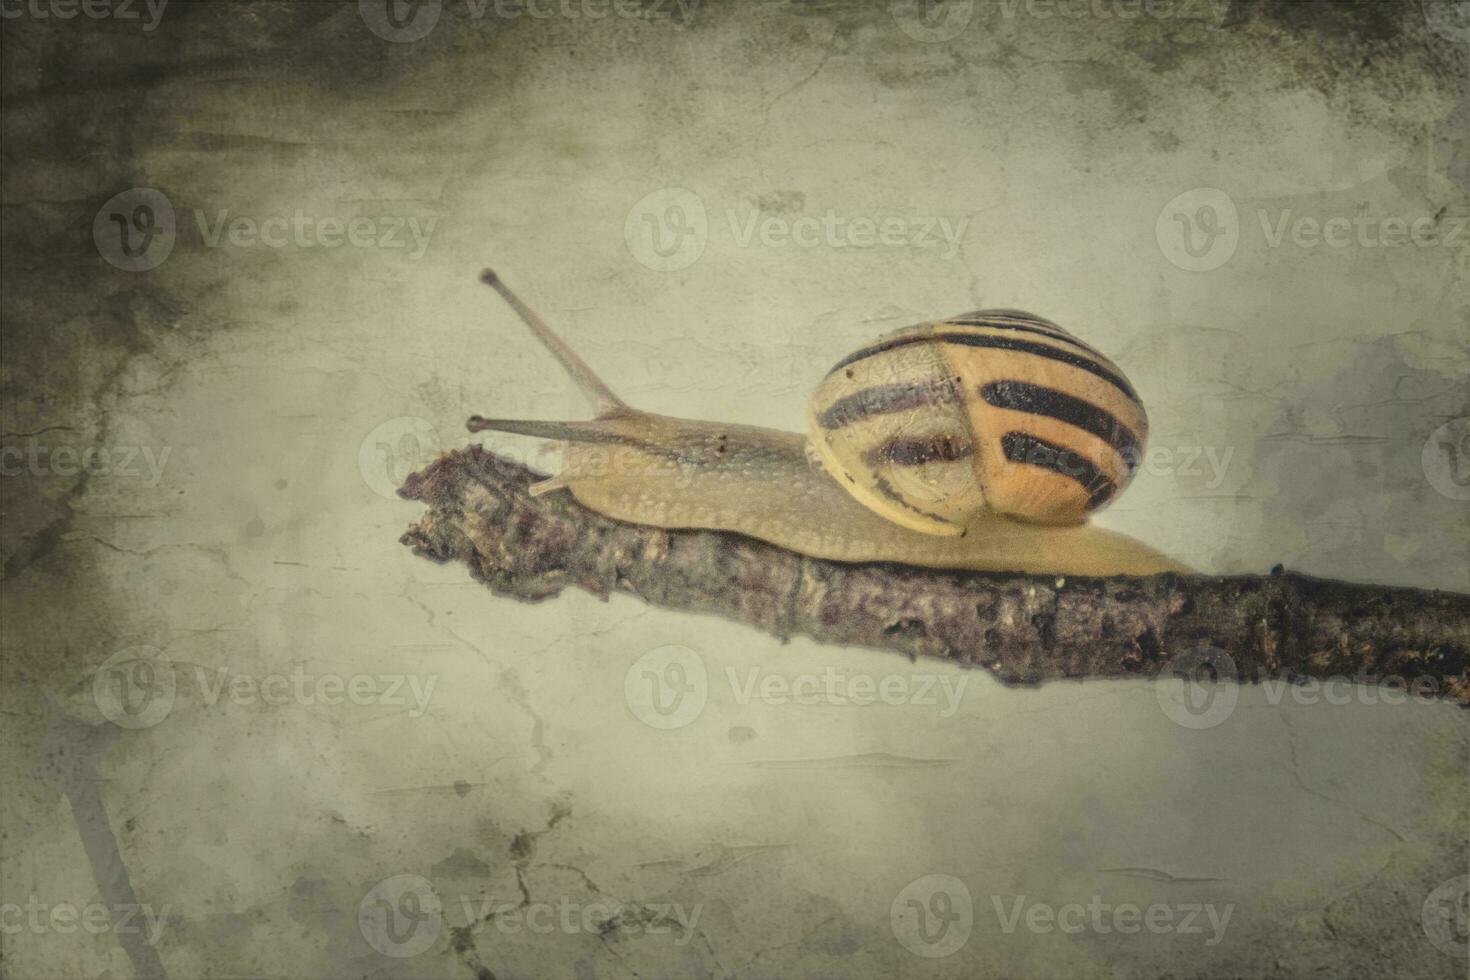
993,411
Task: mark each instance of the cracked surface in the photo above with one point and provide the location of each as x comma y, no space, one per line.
264,546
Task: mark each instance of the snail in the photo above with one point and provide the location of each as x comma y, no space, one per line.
981,442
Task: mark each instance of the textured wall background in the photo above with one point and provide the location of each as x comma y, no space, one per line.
247,734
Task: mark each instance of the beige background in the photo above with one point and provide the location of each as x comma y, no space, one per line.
1125,171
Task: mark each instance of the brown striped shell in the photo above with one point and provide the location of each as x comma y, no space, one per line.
993,411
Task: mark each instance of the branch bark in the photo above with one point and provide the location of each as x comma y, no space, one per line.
1024,629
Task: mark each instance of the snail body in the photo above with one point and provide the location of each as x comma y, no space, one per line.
953,444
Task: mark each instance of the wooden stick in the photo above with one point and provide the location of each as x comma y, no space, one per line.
1024,629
